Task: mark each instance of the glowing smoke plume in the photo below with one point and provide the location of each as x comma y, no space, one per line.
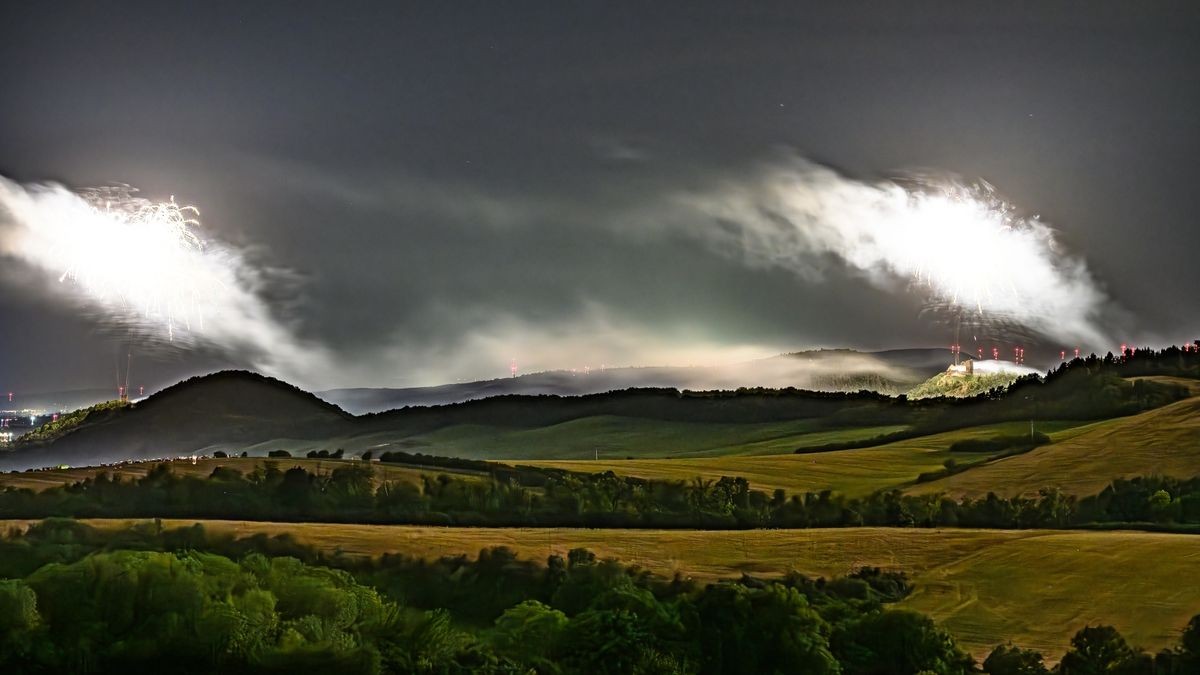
961,247
144,264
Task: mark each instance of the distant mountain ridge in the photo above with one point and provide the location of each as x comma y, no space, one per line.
891,371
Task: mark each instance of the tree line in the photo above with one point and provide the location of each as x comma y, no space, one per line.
490,494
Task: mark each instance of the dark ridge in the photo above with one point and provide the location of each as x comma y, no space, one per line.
236,376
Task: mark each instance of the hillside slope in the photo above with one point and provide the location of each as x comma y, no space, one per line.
1165,441
221,411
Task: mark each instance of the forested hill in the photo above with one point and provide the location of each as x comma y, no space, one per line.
218,410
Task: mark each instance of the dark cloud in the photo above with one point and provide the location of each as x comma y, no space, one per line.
447,181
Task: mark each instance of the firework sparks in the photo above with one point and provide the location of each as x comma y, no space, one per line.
968,253
144,265
97,241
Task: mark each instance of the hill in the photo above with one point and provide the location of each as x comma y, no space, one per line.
221,411
1165,441
952,384
891,372
975,583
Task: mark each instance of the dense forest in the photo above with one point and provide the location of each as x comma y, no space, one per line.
77,599
499,495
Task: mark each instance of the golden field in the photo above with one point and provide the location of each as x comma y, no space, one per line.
1035,587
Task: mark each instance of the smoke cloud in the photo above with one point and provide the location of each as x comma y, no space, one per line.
146,266
143,266
968,253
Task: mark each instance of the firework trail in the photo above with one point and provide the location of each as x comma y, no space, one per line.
144,265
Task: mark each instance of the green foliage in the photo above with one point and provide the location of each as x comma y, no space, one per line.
947,384
1096,650
68,422
763,630
106,607
907,642
529,631
19,620
1011,660
199,612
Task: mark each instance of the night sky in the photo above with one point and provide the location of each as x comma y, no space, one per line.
448,185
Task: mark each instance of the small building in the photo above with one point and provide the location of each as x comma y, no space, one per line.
967,367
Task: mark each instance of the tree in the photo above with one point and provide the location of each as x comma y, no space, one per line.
605,641
530,630
18,619
1160,505
1095,650
1189,645
1011,660
762,630
898,642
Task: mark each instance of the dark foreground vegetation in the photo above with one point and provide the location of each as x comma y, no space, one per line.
488,494
73,598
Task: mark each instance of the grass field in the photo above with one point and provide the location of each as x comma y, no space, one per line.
1190,384
1035,587
1165,441
607,435
851,472
40,480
